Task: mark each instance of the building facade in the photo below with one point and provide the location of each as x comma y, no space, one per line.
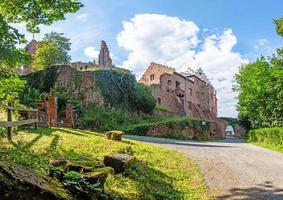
189,93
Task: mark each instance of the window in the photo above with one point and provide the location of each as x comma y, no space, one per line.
178,85
169,82
152,77
158,101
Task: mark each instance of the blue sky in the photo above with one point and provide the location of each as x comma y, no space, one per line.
216,35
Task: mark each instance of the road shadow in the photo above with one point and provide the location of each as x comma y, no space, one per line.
190,143
264,191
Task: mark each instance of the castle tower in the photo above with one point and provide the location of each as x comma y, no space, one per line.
31,47
104,59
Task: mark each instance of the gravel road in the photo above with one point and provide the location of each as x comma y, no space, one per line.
233,169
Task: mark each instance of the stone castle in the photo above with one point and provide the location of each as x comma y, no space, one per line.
188,93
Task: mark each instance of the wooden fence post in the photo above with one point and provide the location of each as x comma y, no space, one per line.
36,124
9,118
28,117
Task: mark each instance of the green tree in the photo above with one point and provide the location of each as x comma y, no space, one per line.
260,88
279,26
143,98
32,13
62,43
46,55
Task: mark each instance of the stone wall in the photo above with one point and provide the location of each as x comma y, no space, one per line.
182,94
194,129
48,112
78,84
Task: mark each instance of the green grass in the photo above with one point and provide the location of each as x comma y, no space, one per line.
158,173
271,138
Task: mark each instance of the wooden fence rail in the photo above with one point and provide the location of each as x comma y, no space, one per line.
9,124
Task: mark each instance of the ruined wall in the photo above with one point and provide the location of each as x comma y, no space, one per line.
78,84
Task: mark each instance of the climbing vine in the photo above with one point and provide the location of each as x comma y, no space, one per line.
121,90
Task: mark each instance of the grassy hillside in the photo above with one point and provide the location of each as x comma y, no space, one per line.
158,173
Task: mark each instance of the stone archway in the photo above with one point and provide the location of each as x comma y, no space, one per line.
229,130
239,131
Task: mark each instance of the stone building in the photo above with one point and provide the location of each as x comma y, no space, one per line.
189,93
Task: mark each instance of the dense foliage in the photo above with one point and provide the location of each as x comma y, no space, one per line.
267,137
103,118
260,88
32,14
121,90
42,80
279,26
53,49
10,86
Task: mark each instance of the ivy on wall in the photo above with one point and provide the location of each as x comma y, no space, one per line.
42,80
120,89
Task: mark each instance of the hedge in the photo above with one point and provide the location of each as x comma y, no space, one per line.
272,137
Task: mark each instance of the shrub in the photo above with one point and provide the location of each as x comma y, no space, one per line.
101,118
269,136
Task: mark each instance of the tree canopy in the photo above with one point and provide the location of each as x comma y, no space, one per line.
260,87
53,49
279,26
31,13
62,43
46,55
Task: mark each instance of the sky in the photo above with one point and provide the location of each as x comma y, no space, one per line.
218,36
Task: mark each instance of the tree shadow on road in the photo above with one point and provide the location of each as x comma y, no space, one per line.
264,191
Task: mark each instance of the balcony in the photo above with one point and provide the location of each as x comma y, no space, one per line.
179,92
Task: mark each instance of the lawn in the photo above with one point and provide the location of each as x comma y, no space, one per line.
158,173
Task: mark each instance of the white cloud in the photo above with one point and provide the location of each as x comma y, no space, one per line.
159,38
173,41
82,17
91,52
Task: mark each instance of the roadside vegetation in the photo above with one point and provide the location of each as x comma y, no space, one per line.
260,105
158,173
260,88
271,138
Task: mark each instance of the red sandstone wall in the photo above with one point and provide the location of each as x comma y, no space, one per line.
157,70
191,97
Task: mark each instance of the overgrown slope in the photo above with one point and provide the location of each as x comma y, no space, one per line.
158,173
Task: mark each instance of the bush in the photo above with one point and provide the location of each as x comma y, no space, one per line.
271,137
104,119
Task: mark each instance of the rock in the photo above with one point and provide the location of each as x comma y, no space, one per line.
22,183
57,168
83,166
89,184
114,135
97,176
119,162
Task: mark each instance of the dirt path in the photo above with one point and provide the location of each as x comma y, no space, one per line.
233,169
